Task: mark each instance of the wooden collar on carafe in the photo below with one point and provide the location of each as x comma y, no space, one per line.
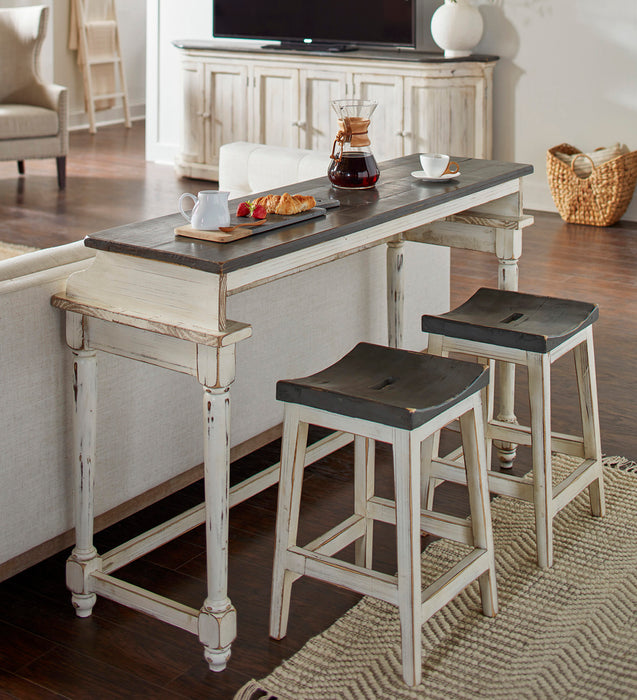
352,130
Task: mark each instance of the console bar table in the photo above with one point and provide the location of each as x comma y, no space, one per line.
156,298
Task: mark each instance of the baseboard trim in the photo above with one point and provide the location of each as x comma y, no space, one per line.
23,561
78,120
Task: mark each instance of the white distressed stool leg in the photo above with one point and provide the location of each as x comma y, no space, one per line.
407,497
429,450
539,369
473,444
434,347
364,463
584,356
293,448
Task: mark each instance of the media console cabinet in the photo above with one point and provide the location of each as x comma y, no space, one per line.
282,98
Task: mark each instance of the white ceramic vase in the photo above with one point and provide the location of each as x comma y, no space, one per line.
457,27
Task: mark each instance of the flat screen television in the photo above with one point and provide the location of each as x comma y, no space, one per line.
330,25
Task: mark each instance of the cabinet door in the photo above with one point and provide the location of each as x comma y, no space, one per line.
386,125
318,126
275,107
226,115
192,147
447,115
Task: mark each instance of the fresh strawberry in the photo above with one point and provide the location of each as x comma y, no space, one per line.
259,212
244,209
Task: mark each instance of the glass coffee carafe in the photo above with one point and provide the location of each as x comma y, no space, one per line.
353,165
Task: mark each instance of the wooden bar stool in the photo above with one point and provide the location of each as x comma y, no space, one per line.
402,398
534,331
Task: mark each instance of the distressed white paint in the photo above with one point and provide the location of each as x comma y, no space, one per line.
173,316
548,498
405,589
280,101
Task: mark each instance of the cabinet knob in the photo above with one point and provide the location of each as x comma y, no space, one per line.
206,115
301,125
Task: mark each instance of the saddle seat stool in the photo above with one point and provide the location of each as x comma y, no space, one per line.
534,331
402,398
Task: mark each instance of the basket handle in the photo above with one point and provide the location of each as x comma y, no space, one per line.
582,155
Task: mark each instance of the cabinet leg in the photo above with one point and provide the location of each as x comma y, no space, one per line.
217,618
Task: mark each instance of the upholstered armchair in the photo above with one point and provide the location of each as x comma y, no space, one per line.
33,115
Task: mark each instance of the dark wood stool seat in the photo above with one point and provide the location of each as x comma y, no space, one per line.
534,331
380,384
514,320
402,398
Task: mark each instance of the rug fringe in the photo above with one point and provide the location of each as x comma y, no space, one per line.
247,692
621,463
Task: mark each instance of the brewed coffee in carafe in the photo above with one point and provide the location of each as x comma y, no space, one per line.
353,165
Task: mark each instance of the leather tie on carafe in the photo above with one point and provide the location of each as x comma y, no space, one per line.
352,130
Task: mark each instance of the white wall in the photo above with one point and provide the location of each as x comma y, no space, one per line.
131,16
568,72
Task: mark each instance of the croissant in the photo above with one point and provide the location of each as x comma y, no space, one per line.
286,203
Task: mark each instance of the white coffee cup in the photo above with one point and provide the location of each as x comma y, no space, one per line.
210,210
437,164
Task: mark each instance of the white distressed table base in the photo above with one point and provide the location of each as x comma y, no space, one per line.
175,317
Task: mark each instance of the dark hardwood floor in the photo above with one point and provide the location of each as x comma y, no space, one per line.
47,652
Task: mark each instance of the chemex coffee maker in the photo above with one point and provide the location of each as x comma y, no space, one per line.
353,165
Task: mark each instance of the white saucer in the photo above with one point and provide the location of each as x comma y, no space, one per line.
421,175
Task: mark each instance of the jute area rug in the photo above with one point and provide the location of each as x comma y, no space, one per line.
569,632
10,250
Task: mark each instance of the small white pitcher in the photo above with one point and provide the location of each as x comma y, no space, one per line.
210,210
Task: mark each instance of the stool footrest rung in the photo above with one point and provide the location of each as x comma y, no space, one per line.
339,537
502,484
438,524
385,587
579,479
355,578
521,435
447,587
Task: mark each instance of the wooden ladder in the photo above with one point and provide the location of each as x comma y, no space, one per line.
98,46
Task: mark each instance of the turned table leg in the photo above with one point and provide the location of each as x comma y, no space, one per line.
83,559
217,617
395,292
508,273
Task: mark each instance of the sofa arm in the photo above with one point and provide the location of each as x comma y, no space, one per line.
20,269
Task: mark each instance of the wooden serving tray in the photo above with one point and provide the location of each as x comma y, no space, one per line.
273,221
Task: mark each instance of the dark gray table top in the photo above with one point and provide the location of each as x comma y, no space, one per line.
396,194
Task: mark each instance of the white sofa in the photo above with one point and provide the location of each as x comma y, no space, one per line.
149,422
253,167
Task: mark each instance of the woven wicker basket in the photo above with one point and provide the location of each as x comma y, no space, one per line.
600,199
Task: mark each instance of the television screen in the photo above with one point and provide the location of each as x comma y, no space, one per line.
331,22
